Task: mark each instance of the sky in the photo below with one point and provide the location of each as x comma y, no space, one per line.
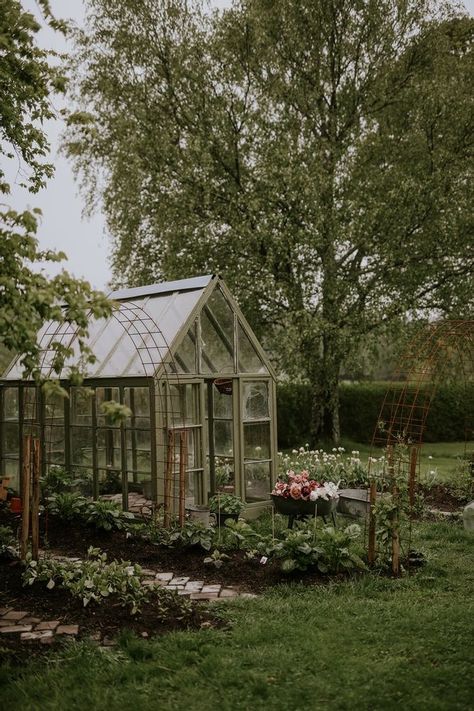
62,225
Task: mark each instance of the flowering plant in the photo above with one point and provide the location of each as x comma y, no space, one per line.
300,486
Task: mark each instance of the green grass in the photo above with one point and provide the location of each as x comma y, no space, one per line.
445,457
370,643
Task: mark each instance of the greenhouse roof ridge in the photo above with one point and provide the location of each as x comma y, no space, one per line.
161,288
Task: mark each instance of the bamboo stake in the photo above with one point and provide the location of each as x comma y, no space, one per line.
35,502
25,496
372,499
168,479
183,457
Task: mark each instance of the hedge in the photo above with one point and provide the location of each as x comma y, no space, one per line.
450,419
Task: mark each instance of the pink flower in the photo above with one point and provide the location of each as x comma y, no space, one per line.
295,491
305,492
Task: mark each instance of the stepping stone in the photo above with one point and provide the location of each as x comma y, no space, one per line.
47,625
14,615
29,620
151,583
6,623
211,589
96,637
165,577
107,642
194,585
147,572
36,635
228,592
4,610
68,629
179,581
247,595
175,587
16,628
188,593
204,596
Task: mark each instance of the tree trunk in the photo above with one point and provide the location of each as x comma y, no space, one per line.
325,407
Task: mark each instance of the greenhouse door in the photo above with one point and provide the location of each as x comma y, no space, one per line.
221,445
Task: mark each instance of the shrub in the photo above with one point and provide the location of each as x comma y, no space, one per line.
226,504
359,407
7,539
67,505
107,516
193,533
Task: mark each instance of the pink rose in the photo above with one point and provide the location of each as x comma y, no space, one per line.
295,491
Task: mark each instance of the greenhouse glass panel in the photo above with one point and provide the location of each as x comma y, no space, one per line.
257,440
109,448
249,360
223,440
223,403
110,481
257,481
82,439
11,406
255,400
54,444
184,405
11,440
217,335
185,359
81,406
54,409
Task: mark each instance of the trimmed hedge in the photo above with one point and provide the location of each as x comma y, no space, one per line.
451,411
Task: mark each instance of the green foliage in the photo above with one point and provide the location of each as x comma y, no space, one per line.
28,77
217,559
115,412
328,549
57,480
7,539
451,408
96,579
240,535
67,506
333,190
226,503
108,516
193,533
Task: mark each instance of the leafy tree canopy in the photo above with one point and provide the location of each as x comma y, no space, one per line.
28,298
316,154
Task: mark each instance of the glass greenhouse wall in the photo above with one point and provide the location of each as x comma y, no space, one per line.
199,387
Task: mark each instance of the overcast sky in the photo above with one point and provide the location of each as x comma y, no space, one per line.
62,226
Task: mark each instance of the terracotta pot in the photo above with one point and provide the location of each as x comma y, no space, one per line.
15,505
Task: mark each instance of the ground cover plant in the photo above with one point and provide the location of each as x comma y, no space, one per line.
371,642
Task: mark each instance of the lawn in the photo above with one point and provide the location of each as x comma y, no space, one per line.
369,643
440,457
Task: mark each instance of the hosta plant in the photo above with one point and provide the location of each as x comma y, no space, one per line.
108,516
67,505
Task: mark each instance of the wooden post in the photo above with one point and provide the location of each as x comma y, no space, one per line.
183,460
395,537
395,522
35,502
372,499
168,479
25,496
412,476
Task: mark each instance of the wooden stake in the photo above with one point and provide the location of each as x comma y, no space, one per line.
168,479
25,496
412,476
35,502
183,460
372,499
395,537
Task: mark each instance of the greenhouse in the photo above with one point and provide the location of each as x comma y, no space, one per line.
199,393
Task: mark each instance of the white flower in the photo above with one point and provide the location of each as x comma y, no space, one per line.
430,457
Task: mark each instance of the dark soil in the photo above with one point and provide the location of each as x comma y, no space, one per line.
438,497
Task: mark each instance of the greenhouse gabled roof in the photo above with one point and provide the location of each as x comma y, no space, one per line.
135,340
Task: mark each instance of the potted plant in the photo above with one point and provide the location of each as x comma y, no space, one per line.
225,506
297,494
